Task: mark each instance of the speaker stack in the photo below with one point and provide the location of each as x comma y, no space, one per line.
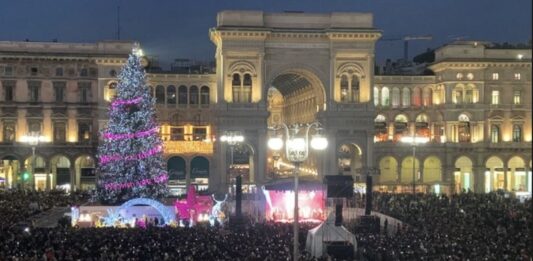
339,187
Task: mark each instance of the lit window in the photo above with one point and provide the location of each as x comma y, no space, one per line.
495,134
495,76
516,97
517,76
517,133
495,97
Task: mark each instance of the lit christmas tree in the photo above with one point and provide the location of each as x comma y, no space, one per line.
130,158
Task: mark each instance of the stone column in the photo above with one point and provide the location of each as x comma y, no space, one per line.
479,179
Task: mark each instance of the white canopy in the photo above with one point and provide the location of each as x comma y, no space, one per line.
327,232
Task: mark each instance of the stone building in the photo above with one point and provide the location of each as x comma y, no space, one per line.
274,68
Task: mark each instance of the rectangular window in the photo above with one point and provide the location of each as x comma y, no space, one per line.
8,71
517,76
517,97
59,71
9,131
9,90
34,126
33,89
84,132
177,133
60,131
199,133
34,71
495,97
495,76
59,91
85,91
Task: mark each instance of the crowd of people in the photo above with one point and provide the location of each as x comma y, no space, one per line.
20,205
261,241
468,226
471,226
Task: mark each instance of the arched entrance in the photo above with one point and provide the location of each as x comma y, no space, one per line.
432,173
37,169
177,175
494,174
60,170
463,175
388,169
518,180
9,169
85,172
349,159
295,96
242,165
200,172
407,173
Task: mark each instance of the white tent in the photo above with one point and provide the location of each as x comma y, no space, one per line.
327,232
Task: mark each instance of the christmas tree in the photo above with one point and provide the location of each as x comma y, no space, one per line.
130,157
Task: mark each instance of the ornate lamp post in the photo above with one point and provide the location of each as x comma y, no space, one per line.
414,141
297,151
33,139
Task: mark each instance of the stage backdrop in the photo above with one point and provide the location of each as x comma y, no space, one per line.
280,205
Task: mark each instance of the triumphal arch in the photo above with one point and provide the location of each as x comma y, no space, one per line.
292,68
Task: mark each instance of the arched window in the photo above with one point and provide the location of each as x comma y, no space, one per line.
422,125
83,72
400,127
376,96
495,134
236,87
416,97
171,94
395,97
160,94
355,88
384,96
247,88
380,126
406,97
469,95
344,88
427,99
193,100
204,95
458,94
464,128
182,95
517,133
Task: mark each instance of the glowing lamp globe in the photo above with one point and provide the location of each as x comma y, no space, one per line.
275,143
319,142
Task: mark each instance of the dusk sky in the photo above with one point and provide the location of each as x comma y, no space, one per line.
179,29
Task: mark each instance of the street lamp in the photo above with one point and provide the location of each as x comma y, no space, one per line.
33,139
232,138
297,151
414,141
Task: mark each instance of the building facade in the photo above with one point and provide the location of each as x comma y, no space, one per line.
274,68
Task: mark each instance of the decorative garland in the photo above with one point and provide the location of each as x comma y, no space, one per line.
117,103
109,158
118,186
140,134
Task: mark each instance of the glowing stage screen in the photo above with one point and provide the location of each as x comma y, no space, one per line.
280,205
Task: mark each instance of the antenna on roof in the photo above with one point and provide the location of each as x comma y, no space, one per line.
118,20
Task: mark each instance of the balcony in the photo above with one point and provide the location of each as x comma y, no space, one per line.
188,147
